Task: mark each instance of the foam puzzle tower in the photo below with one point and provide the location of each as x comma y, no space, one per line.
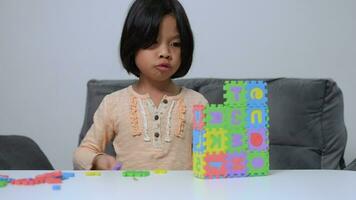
231,139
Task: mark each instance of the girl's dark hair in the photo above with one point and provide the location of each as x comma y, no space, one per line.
141,29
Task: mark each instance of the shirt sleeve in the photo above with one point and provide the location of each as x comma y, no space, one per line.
94,143
202,100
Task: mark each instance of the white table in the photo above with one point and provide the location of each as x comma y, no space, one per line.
182,185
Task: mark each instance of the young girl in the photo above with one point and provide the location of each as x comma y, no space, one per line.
149,122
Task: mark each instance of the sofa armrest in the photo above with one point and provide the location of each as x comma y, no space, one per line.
19,152
351,166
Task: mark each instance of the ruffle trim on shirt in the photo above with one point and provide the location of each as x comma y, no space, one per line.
182,110
146,137
134,117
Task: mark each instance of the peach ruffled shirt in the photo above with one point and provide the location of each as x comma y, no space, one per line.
144,136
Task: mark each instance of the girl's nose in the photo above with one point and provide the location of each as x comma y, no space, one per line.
167,56
164,53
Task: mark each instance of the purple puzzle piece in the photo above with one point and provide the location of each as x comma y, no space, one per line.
217,117
236,91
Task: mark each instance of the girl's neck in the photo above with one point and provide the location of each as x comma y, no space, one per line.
154,88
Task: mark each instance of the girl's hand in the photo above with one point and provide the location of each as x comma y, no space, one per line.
104,162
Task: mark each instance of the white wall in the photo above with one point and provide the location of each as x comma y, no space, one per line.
50,49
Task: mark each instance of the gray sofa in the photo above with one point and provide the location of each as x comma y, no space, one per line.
307,129
19,152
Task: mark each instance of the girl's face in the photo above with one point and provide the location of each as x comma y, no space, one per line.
162,59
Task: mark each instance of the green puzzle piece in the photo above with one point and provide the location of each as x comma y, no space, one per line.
235,93
3,184
134,173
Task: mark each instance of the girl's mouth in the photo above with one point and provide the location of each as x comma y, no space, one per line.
163,67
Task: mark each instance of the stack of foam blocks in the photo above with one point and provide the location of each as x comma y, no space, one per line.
231,139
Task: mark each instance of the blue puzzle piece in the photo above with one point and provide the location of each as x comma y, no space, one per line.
215,164
256,93
198,141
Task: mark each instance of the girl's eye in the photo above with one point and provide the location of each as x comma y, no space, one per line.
175,44
153,45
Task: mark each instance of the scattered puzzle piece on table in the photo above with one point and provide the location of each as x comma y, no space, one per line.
67,175
231,139
117,166
56,187
92,173
160,171
134,173
3,183
53,178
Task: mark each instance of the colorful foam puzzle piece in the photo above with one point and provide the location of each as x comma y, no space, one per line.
67,175
56,187
198,114
118,166
3,183
231,139
92,173
134,173
54,178
160,171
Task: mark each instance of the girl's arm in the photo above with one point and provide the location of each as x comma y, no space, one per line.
94,143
